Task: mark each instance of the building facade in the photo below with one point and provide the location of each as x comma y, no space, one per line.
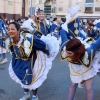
60,7
14,9
87,7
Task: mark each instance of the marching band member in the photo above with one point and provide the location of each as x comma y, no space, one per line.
31,59
3,35
70,28
54,30
43,26
80,55
97,24
28,22
55,23
92,31
32,25
82,64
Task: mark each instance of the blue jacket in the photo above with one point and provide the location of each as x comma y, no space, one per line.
3,33
22,60
90,52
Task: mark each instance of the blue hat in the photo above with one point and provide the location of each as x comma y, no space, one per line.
73,10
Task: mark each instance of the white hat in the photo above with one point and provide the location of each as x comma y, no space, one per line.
73,10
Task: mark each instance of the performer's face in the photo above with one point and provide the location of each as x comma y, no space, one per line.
41,16
69,54
12,31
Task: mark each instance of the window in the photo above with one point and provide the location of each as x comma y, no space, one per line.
60,9
40,1
89,1
47,9
54,10
97,8
10,2
88,9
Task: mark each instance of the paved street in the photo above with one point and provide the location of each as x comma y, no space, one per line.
54,88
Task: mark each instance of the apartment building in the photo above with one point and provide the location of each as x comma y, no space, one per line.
13,9
88,7
60,7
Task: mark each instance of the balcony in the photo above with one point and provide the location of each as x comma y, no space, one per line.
89,4
88,10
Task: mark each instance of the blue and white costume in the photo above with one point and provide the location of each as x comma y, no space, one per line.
27,23
43,26
86,68
70,29
92,33
39,29
53,27
3,35
88,65
54,30
45,29
30,64
32,27
97,23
